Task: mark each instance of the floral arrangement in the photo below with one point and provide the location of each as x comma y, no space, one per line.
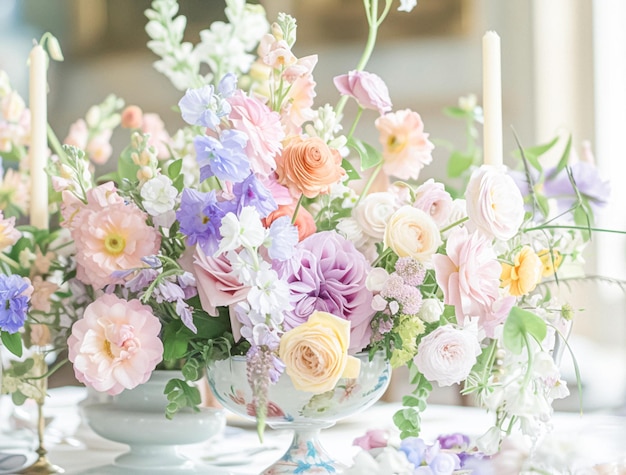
265,228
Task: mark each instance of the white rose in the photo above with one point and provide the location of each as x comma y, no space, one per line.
158,195
411,232
376,279
431,310
447,355
373,213
494,203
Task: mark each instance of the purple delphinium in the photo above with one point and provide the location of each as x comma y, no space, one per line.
13,302
283,239
328,274
141,280
200,217
251,192
225,157
186,316
454,441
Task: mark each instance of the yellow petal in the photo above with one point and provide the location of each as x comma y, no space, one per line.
353,367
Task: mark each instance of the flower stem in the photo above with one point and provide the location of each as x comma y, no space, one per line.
295,211
580,228
456,223
56,144
7,260
370,182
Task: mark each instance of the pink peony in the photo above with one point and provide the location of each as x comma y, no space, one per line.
406,148
110,236
368,89
469,275
447,355
433,198
263,128
217,286
8,234
116,345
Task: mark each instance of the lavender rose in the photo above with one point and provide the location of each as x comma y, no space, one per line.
328,274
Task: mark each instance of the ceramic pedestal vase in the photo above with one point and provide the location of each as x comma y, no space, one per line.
304,413
137,418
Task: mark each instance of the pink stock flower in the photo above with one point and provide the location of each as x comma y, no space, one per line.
110,236
116,345
99,147
78,134
263,128
368,89
159,138
300,102
16,188
433,198
406,148
469,275
217,286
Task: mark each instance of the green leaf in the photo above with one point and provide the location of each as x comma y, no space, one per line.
179,183
370,157
13,342
519,325
174,168
175,341
457,112
112,176
410,401
350,170
126,168
532,154
564,158
18,398
458,163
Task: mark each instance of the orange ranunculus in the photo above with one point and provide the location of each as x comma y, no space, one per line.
304,220
524,274
308,166
550,260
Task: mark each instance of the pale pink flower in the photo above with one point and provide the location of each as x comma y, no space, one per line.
447,355
116,345
42,290
78,134
8,234
496,315
159,138
110,236
16,188
132,117
469,275
406,148
299,104
99,148
216,283
368,89
432,197
13,107
373,439
263,128
494,203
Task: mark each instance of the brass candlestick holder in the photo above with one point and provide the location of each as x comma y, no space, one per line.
42,465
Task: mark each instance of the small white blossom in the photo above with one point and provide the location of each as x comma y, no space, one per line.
407,5
246,230
158,195
431,310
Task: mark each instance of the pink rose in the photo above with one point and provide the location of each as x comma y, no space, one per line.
217,286
469,275
447,355
368,89
433,198
494,203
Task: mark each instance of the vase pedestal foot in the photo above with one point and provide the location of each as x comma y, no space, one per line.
305,456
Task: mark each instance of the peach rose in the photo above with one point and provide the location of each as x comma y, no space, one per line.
316,353
304,220
525,273
411,232
308,166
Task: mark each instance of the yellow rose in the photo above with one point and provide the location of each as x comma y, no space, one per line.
411,232
316,353
524,274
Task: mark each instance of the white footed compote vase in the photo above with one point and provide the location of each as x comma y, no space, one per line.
137,418
303,412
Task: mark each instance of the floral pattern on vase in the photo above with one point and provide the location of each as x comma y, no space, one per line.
303,412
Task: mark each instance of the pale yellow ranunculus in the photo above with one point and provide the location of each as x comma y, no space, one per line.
411,232
316,353
525,273
551,260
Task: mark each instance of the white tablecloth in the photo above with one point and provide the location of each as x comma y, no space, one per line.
580,441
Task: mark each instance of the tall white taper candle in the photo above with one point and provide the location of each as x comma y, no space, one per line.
492,100
38,151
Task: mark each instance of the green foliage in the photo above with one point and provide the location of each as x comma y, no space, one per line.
459,163
519,325
13,342
370,157
408,420
180,394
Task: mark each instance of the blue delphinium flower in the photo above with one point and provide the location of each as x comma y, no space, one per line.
200,217
415,450
250,192
224,158
13,302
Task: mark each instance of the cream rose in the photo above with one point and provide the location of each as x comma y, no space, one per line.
373,213
411,232
316,353
494,203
